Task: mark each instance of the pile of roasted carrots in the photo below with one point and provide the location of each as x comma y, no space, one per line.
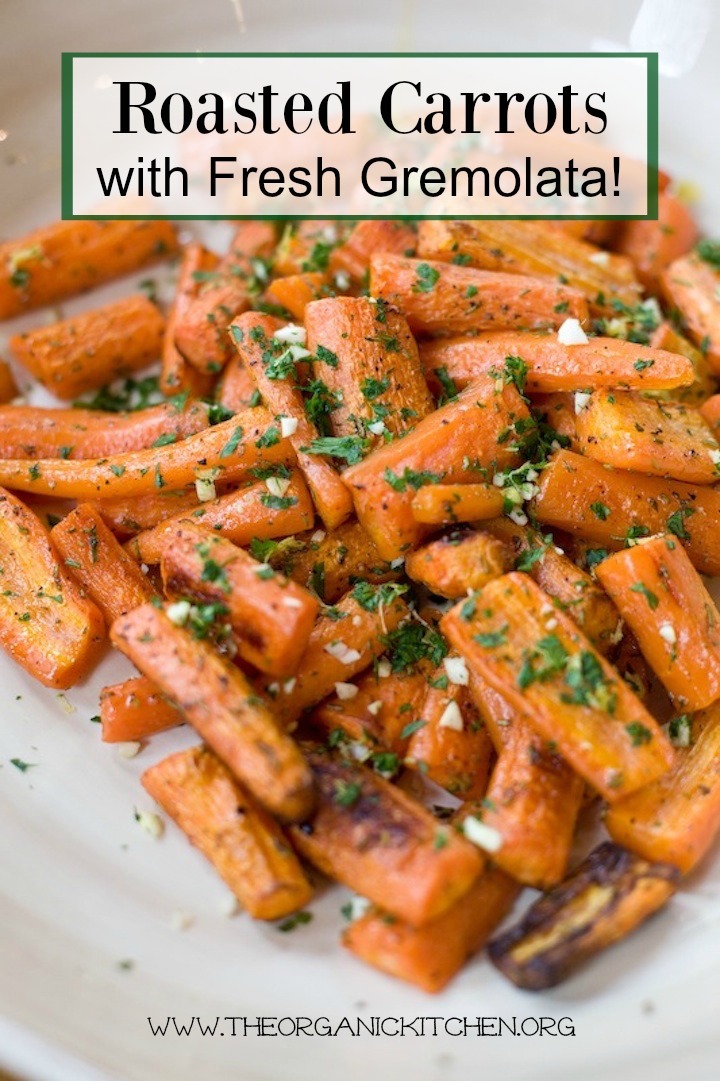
410,529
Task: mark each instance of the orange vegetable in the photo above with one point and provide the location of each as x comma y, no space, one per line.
608,506
666,337
375,839
691,286
662,597
47,624
134,710
369,238
304,246
8,389
445,504
225,710
96,347
237,387
127,515
457,562
99,563
429,956
710,410
330,563
244,844
571,694
653,245
372,367
295,291
69,257
176,374
450,445
440,298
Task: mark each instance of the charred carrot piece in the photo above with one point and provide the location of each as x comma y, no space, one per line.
342,644
270,616
28,431
47,624
552,366
369,238
375,839
441,298
610,506
244,844
431,955
69,257
135,710
368,360
94,348
201,326
247,514
664,439
217,700
294,292
533,248
176,374
445,504
675,820
662,597
458,562
99,563
704,384
449,446
329,563
270,360
230,449
653,245
571,694
690,285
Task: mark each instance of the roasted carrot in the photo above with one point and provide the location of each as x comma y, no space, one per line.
445,504
609,507
666,337
368,360
665,439
377,840
135,710
676,819
710,410
231,448
690,285
557,410
236,388
245,845
8,389
271,617
342,643
128,515
441,299
47,624
69,257
369,238
201,326
571,694
96,347
217,700
99,563
294,292
271,363
329,563
176,374
305,247
533,248
606,898
431,955
453,444
457,562
552,366
247,514
653,245
28,431
662,597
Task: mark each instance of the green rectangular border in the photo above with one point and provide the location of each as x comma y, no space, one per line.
66,200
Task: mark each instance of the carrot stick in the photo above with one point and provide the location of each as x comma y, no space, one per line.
176,374
439,298
237,388
29,431
666,337
369,238
128,515
135,710
458,562
254,338
270,616
368,359
295,291
710,410
217,700
450,445
246,847
431,955
676,819
690,285
552,366
376,716
375,839
445,504
47,624
305,247
663,599
69,257
93,348
330,563
8,389
230,447
653,245
609,506
571,694
98,562
665,439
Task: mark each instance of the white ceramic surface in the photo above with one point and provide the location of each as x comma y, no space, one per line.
82,889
